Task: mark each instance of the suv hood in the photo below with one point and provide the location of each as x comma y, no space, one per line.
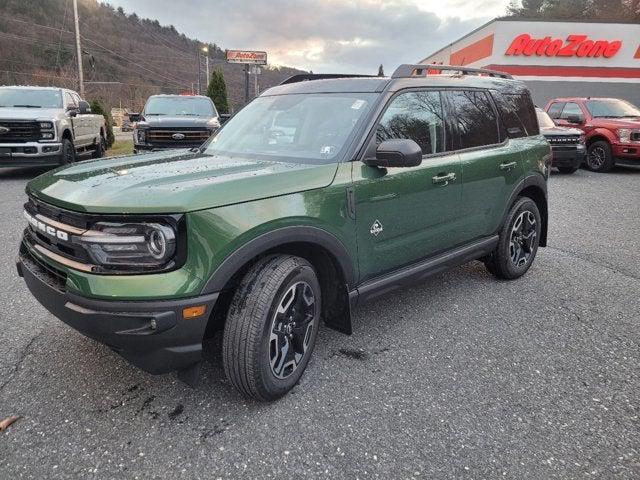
156,121
11,113
560,131
632,122
175,181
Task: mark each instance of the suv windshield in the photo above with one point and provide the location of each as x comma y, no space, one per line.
612,108
176,106
27,98
544,120
299,128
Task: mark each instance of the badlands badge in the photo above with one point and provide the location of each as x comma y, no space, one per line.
376,228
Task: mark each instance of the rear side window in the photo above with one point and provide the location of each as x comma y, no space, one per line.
555,110
475,118
522,104
415,116
513,126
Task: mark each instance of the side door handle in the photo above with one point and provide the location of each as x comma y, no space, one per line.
444,179
508,166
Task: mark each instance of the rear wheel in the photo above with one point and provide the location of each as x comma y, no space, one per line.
518,243
68,152
271,327
567,170
599,157
101,148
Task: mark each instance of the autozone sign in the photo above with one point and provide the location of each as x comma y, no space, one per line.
574,46
243,56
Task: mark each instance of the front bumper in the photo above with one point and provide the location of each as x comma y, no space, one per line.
567,158
30,154
154,336
629,153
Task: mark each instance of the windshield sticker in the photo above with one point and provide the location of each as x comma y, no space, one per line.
358,104
327,150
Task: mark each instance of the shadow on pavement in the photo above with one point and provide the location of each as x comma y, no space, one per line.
22,173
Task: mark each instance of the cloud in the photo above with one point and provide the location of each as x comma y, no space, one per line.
325,35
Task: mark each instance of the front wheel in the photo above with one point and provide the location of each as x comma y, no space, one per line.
271,327
68,152
518,242
101,148
599,157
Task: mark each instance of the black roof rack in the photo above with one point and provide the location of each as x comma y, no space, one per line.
408,71
305,77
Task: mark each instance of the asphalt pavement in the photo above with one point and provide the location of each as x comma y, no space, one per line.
461,376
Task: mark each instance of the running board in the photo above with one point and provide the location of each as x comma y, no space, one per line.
419,271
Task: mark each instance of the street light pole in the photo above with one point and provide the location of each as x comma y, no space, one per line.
205,50
78,48
198,50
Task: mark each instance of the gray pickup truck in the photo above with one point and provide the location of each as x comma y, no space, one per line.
47,126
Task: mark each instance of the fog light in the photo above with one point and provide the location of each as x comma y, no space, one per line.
193,312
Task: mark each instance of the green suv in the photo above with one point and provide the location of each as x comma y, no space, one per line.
324,192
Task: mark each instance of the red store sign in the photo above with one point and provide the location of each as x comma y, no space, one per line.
574,46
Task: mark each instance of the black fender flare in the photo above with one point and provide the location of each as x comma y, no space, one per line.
534,180
267,241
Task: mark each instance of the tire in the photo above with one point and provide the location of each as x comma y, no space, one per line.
258,327
101,148
68,152
518,243
567,170
599,157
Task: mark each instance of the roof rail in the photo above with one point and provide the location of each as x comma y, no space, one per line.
305,77
408,71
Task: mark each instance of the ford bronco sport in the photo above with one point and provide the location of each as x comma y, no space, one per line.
322,193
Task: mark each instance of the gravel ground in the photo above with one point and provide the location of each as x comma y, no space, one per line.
458,377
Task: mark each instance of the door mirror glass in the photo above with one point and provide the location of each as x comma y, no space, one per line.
135,117
396,153
575,119
84,107
72,110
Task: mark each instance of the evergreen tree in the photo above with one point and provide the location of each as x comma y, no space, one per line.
96,107
217,91
381,71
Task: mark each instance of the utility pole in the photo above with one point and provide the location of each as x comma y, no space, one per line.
78,49
246,83
205,50
198,50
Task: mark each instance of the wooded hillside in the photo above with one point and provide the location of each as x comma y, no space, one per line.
604,10
37,47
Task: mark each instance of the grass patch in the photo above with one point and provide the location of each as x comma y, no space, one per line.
121,147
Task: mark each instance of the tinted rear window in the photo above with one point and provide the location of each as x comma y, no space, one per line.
476,119
513,126
522,105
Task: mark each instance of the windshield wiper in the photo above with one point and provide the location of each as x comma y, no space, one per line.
27,106
147,114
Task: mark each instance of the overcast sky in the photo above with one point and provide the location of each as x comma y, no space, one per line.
325,35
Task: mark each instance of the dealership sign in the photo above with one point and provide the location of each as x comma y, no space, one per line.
243,56
574,46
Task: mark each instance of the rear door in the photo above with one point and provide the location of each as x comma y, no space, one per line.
406,214
491,164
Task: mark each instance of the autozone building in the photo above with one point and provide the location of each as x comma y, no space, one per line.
555,59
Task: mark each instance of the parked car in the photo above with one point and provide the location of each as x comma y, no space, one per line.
174,121
567,144
611,126
265,233
46,126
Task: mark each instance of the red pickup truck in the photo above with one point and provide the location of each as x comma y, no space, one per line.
611,127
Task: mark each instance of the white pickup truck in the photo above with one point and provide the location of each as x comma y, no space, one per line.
47,126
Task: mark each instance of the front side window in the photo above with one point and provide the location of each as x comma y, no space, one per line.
571,110
180,106
416,116
299,128
68,99
30,98
612,108
475,118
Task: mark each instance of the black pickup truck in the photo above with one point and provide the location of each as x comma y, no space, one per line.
174,121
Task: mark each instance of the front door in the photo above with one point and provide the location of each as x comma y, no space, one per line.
406,214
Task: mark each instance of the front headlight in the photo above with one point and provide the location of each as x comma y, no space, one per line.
130,246
140,135
624,134
47,131
46,125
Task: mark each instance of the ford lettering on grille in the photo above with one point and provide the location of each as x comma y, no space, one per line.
44,228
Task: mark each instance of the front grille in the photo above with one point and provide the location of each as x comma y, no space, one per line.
163,137
563,139
53,277
635,136
19,131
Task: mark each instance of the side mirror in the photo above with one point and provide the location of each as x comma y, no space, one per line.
396,153
576,119
135,117
72,110
224,118
84,107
